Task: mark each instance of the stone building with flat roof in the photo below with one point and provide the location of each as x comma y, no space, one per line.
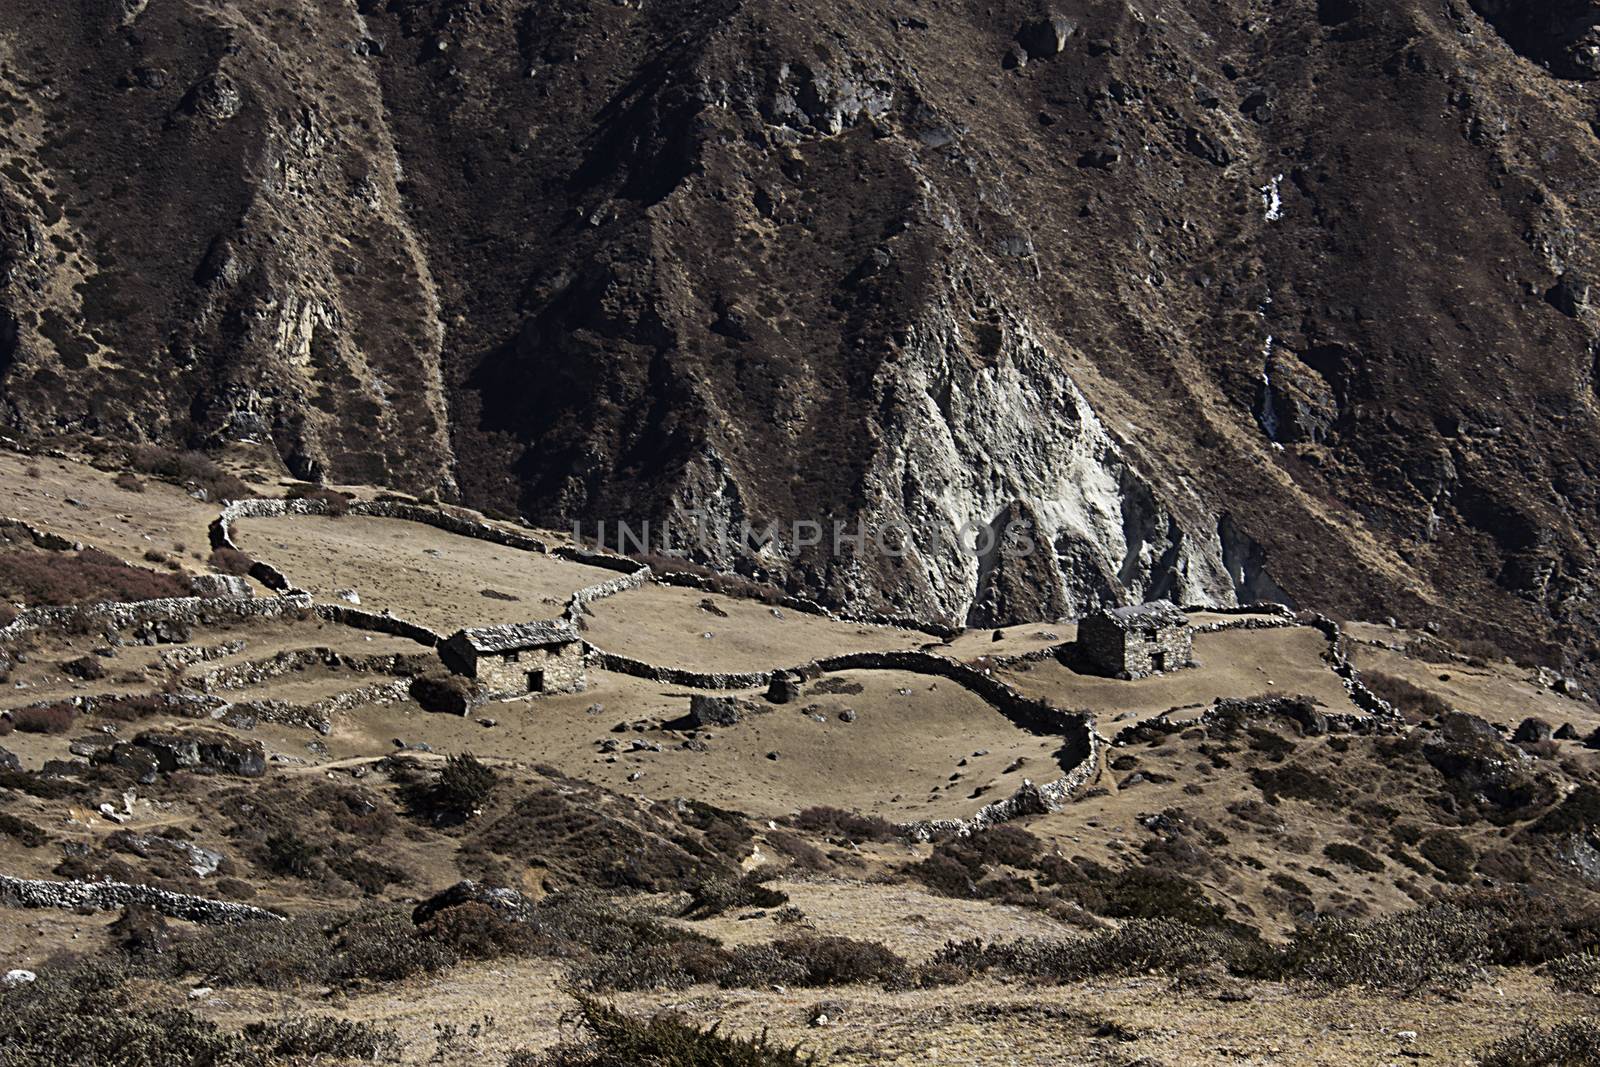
1138,641
518,660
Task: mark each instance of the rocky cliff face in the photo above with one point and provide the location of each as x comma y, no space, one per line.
1221,300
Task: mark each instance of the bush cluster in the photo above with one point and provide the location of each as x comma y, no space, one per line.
87,1017
48,719
1576,1041
60,578
190,469
1409,699
612,1039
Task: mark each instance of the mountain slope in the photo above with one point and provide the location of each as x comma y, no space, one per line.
1221,300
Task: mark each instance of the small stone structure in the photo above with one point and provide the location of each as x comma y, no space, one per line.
513,661
1138,641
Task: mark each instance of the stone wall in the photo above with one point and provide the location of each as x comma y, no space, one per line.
253,672
40,538
113,896
120,615
357,619
1338,657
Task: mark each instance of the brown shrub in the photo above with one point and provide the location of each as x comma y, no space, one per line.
90,576
847,826
128,481
231,561
1411,700
189,469
49,719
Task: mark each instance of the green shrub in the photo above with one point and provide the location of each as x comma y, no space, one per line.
1353,856
1136,947
25,833
1450,854
1438,946
194,469
714,896
288,853
464,786
1578,973
612,1039
1569,1044
845,826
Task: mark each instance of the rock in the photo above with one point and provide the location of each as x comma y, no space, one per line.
1469,750
1046,37
784,688
9,760
204,750
773,756
92,747
349,596
1533,730
84,668
847,715
1570,295
1565,732
713,711
507,903
162,632
17,977
220,585
139,762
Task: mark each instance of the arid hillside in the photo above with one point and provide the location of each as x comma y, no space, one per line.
1222,300
251,815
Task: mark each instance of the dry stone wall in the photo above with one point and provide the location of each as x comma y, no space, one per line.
119,615
40,538
113,896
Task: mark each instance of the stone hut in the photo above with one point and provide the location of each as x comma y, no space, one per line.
513,661
1137,641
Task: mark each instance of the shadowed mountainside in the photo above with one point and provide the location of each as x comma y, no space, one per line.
1222,300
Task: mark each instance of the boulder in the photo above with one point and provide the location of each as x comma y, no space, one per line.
162,632
784,688
1532,730
207,751
1566,732
9,760
139,762
220,585
507,903
707,711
